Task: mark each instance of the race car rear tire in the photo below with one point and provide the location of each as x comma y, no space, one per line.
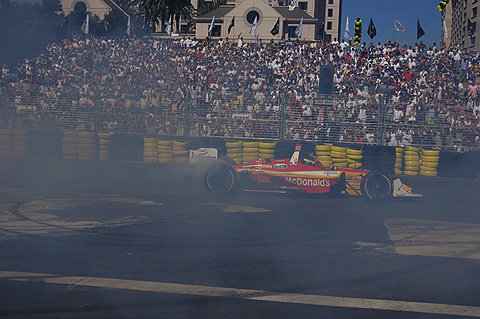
221,178
376,186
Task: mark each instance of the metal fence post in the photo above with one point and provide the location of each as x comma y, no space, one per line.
281,119
186,110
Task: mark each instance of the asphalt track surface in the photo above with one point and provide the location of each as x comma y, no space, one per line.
130,240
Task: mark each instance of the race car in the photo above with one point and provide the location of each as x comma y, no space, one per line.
309,176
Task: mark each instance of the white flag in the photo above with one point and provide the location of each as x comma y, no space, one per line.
212,25
253,29
168,29
445,30
128,26
298,30
398,26
86,24
346,35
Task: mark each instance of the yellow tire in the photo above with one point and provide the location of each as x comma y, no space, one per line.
104,141
87,135
67,151
70,140
323,147
165,143
234,144
398,165
106,136
429,164
323,153
70,134
150,140
339,160
180,144
354,152
341,165
335,154
181,153
399,150
411,168
87,140
412,173
432,159
150,158
411,158
398,171
250,144
339,149
250,149
264,145
430,153
412,148
411,153
326,163
355,157
428,173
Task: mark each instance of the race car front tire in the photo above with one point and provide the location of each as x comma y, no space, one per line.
221,178
376,186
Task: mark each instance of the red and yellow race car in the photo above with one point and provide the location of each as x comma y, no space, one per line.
307,176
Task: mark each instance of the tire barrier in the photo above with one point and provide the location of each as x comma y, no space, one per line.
339,156
251,152
235,151
267,150
354,158
399,160
6,142
429,160
180,151
411,161
165,151
87,146
105,145
324,154
150,149
70,145
20,142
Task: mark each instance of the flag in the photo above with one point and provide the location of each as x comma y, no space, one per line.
346,35
276,28
420,31
372,32
472,26
298,30
212,25
168,29
86,24
398,26
445,30
232,23
253,29
128,25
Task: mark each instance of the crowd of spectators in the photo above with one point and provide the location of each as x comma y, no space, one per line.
415,95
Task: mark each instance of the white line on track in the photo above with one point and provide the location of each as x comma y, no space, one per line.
247,294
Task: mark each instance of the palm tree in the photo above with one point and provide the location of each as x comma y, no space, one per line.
160,10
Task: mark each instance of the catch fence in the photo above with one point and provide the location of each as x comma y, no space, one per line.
257,113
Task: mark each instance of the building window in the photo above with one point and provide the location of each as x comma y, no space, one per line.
474,12
330,13
473,41
330,1
303,5
329,25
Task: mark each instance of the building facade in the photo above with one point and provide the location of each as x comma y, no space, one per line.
463,17
320,19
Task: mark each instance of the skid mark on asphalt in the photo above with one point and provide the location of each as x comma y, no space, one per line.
434,238
246,294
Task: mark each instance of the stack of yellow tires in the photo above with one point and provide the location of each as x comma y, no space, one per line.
411,160
429,162
150,149
70,145
6,142
20,142
165,151
354,158
180,152
87,146
399,160
251,152
339,156
235,151
323,154
267,150
105,143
